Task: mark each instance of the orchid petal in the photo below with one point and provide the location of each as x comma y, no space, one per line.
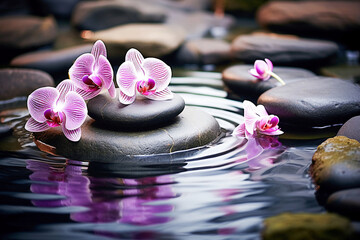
253,148
86,95
261,67
125,99
64,87
112,90
250,116
239,131
98,49
134,56
254,73
104,71
272,133
40,100
261,111
126,78
75,111
82,66
165,94
157,70
72,135
269,64
34,126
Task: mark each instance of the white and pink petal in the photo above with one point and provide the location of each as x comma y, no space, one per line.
83,66
104,71
158,71
72,135
40,100
165,94
126,78
34,126
136,58
75,111
125,99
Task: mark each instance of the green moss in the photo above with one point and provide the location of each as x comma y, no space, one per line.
335,150
307,226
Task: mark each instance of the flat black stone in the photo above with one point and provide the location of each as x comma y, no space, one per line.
143,113
345,202
239,81
17,82
191,129
351,128
316,101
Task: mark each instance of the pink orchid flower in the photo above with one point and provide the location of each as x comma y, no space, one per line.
61,106
92,72
264,70
257,121
149,77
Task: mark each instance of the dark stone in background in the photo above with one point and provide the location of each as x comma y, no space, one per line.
54,62
21,82
143,113
285,50
316,101
239,81
19,34
345,202
351,128
192,128
337,20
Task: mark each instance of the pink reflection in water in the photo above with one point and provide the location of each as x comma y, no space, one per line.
108,199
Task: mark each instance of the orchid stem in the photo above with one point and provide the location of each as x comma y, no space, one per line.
277,78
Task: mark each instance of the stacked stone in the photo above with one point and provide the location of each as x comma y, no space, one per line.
117,132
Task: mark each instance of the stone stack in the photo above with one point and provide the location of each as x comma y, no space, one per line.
117,132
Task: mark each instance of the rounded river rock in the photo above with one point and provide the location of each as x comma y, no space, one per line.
143,113
316,101
192,128
239,81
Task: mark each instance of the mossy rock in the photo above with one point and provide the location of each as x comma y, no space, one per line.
336,164
307,226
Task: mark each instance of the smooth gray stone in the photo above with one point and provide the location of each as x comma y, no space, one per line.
316,101
284,50
99,15
325,19
54,62
19,34
345,202
17,82
191,129
143,113
239,81
351,128
204,51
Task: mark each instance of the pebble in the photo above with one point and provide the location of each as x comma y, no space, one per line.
351,128
156,40
307,226
54,62
239,81
18,82
284,50
143,113
316,101
204,51
345,202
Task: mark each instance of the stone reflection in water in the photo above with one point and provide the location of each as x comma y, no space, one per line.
107,199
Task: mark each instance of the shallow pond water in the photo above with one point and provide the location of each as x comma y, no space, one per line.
220,191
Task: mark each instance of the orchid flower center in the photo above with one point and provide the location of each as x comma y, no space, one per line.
272,121
146,87
53,118
94,82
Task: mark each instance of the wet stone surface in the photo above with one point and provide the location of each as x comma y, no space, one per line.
351,128
143,113
192,128
336,164
284,50
307,226
345,202
316,101
239,81
17,82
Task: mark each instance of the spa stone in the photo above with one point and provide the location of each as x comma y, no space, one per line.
143,113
